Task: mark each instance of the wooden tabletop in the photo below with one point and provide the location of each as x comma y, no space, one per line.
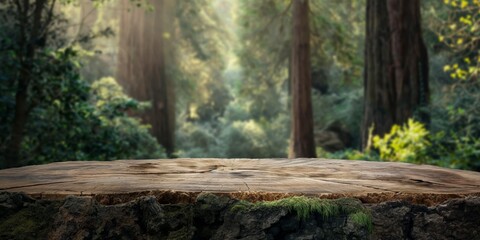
297,176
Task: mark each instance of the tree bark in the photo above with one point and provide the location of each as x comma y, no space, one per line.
145,53
163,91
301,141
396,65
28,45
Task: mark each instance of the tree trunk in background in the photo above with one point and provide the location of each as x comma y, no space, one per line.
28,43
88,17
145,53
396,65
301,141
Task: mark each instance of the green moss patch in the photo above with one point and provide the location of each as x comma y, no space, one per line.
305,207
362,219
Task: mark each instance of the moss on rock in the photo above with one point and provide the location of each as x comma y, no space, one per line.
305,207
363,219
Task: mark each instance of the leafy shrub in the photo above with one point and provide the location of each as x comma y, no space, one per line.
87,123
455,151
66,117
131,138
406,143
414,144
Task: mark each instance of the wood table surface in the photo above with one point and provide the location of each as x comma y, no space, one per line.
290,176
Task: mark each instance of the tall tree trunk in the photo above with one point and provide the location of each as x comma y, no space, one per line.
28,45
301,141
145,53
162,86
396,65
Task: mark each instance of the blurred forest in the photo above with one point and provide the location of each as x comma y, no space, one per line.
380,80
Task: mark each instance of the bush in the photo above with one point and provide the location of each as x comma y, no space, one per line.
414,144
406,143
66,117
87,123
455,151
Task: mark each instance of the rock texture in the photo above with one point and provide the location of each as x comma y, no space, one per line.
213,217
453,219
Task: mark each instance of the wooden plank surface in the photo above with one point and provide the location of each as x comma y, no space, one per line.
298,176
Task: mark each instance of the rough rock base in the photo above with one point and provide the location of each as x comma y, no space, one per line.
213,217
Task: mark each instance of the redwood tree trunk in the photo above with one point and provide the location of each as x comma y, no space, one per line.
396,65
145,52
301,141
28,40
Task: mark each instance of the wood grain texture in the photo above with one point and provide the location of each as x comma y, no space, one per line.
298,176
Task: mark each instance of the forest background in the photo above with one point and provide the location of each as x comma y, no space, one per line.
105,80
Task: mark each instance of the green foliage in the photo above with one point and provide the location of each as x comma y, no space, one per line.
232,86
336,34
234,139
264,47
241,136
202,60
73,121
345,107
251,118
353,154
457,128
255,139
95,127
110,101
130,139
454,112
455,124
67,118
197,141
414,144
406,143
456,152
459,32
451,139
